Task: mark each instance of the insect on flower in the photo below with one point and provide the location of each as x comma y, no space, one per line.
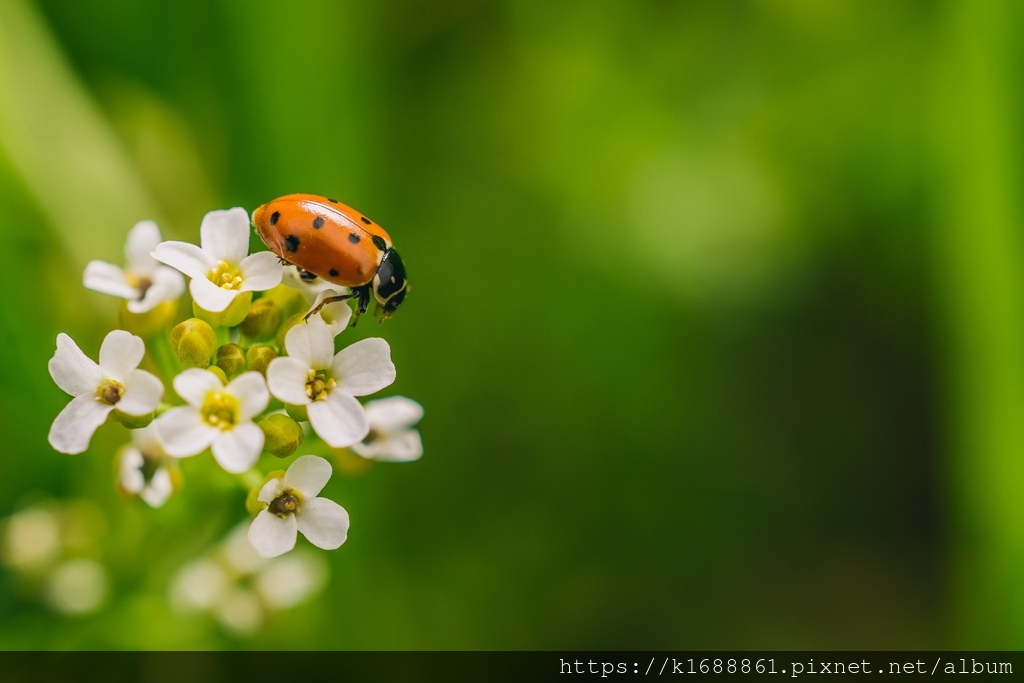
327,239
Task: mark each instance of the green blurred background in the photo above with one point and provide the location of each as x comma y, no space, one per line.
716,308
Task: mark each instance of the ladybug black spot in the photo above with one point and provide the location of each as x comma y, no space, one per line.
353,238
291,243
332,201
365,220
274,216
318,222
334,272
379,243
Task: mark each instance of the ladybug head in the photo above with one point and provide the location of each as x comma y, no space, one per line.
389,284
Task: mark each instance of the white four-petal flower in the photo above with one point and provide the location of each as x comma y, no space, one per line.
217,417
311,375
291,505
392,437
98,389
336,314
143,282
220,270
141,467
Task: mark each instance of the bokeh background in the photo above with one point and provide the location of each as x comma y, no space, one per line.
716,309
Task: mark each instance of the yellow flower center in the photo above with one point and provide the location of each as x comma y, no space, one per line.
226,276
220,410
319,385
110,392
140,283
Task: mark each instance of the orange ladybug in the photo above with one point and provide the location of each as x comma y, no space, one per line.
324,238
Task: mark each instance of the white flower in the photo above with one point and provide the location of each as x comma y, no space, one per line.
336,314
142,467
217,417
238,586
99,389
392,437
77,586
309,288
292,505
327,384
220,270
144,282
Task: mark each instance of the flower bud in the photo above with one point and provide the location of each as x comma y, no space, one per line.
259,357
283,435
133,421
230,359
262,321
252,501
194,342
230,316
147,324
288,299
297,413
219,372
283,330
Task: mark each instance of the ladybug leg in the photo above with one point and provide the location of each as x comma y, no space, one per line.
327,300
364,302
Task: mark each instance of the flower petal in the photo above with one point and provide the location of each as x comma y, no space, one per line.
271,490
308,475
159,489
130,470
73,371
105,277
184,432
138,249
260,271
238,449
194,384
209,296
323,522
142,393
336,315
392,413
167,284
311,342
73,429
286,378
364,367
225,235
250,388
120,353
340,420
271,535
401,447
188,258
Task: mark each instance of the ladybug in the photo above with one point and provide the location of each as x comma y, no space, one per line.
324,238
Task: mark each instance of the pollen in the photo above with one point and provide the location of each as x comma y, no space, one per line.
226,276
286,504
221,410
319,385
110,392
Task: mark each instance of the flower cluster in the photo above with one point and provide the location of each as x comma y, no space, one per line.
252,374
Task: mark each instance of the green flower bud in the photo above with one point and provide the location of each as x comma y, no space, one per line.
297,413
229,317
283,330
263,319
133,421
194,342
219,372
283,435
252,502
288,299
259,357
230,359
147,324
